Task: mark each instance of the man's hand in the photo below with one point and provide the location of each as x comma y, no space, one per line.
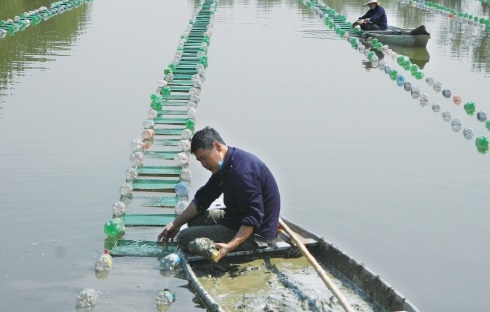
168,233
223,249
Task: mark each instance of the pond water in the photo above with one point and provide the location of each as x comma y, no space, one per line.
358,161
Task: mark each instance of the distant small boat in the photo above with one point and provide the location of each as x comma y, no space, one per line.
280,279
411,38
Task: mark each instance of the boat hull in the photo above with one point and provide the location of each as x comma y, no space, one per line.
398,37
338,264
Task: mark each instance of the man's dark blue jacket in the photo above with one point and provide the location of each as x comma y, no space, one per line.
377,15
250,193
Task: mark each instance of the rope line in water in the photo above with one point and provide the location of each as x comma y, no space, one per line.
450,12
180,87
338,22
34,17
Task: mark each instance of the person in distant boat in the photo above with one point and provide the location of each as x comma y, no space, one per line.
375,17
251,196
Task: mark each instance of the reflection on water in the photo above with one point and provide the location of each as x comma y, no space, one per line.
37,45
464,40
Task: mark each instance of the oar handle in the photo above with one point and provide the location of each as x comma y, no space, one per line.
328,282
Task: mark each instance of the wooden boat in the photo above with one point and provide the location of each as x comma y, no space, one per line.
279,278
411,38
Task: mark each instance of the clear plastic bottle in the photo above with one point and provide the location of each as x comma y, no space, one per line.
131,174
182,188
182,158
126,189
86,298
118,209
136,158
164,299
170,262
104,263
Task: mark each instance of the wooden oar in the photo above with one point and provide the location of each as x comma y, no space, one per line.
328,282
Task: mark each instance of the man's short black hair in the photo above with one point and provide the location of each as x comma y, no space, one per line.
205,139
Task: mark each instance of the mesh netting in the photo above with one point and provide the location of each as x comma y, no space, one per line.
170,121
154,185
135,248
160,154
167,131
148,219
159,170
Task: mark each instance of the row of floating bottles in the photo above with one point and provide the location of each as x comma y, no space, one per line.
34,17
336,21
180,87
450,12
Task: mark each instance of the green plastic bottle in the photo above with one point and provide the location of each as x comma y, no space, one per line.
114,227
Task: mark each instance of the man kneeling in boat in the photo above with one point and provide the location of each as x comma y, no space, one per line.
250,194
375,18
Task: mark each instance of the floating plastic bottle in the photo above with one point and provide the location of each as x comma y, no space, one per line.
437,86
169,77
414,68
194,98
482,144
191,104
136,158
104,263
407,86
190,124
470,108
182,188
456,124
446,116
114,227
393,75
446,93
118,209
126,189
170,262
181,206
415,92
191,113
86,298
436,107
152,113
131,174
457,99
182,158
164,299
161,83
186,174
136,145
184,145
148,134
205,248
481,116
468,133
423,100
148,124
187,134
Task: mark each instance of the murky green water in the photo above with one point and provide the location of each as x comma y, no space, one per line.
357,159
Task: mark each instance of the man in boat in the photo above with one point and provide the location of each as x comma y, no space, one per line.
250,193
375,17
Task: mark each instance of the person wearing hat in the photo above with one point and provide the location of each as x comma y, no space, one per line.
375,18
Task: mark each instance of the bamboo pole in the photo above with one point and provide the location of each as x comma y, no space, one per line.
328,282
